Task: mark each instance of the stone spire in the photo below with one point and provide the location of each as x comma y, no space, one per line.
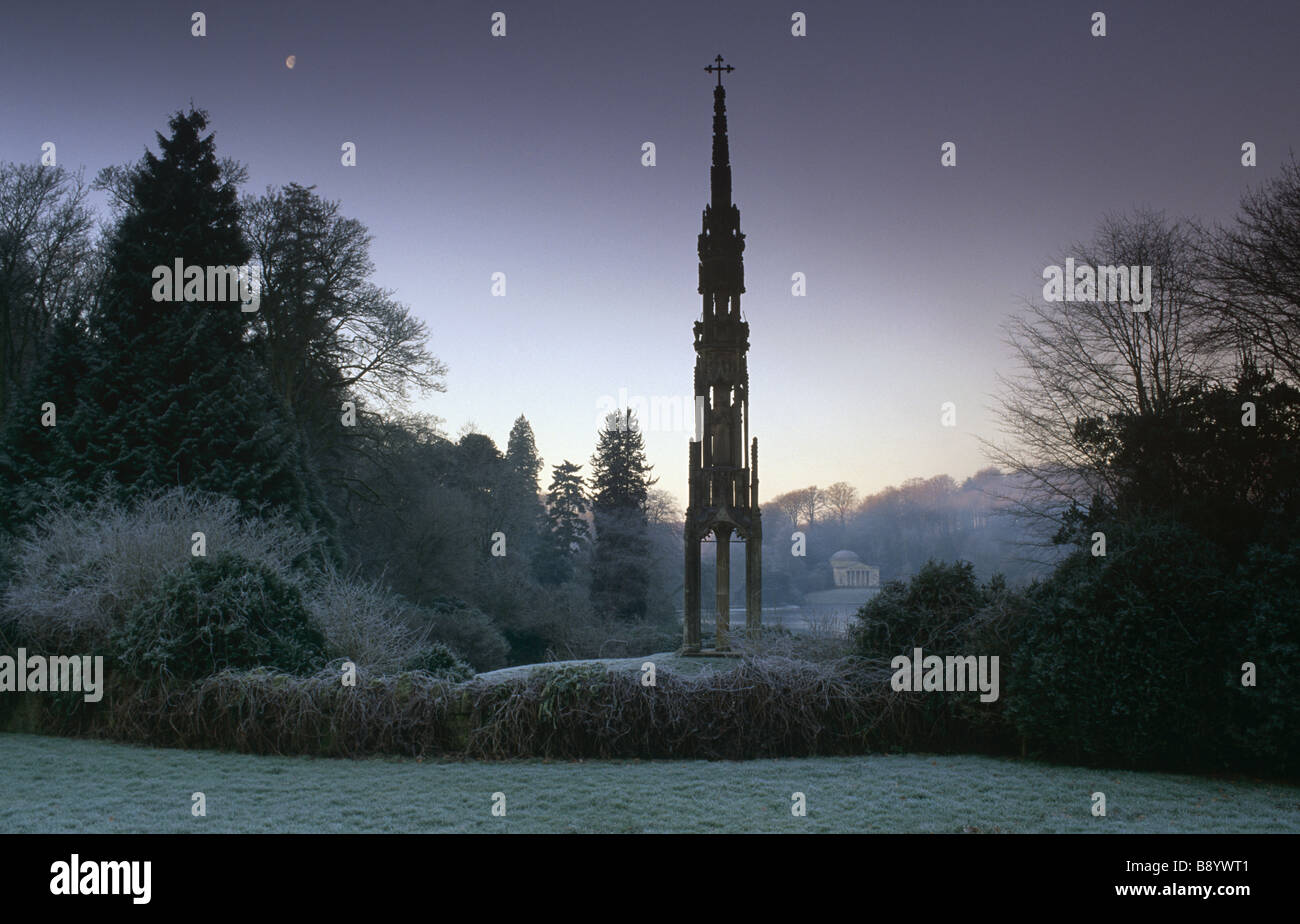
722,469
720,173
722,271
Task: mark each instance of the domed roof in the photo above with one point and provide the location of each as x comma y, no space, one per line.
845,555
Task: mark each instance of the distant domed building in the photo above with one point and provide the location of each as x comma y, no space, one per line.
855,584
851,572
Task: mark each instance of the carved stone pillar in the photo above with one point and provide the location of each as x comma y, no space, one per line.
691,618
723,642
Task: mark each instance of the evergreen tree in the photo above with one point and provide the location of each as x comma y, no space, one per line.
478,468
173,393
521,455
620,486
525,514
565,537
37,462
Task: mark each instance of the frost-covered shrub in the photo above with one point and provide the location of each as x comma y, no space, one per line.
79,569
229,613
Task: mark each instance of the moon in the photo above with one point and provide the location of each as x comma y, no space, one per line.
290,61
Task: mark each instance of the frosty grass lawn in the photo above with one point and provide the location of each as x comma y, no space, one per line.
65,785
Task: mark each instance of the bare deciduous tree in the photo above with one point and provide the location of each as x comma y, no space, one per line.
662,510
801,506
47,263
789,505
1253,272
841,498
324,326
1083,360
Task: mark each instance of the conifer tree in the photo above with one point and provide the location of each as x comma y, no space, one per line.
521,454
37,463
525,513
172,393
620,485
566,538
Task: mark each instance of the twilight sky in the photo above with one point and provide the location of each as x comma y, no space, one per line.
522,155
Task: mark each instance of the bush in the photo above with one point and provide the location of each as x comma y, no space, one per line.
763,707
79,569
230,613
612,638
465,629
364,623
1133,658
440,661
1266,717
7,560
826,638
937,610
944,610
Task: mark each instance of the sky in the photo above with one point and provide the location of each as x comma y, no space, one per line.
522,154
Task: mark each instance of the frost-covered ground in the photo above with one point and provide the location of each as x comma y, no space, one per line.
65,785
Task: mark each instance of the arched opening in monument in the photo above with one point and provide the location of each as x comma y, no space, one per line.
734,589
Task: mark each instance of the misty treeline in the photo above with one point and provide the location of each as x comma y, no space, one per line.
897,529
300,411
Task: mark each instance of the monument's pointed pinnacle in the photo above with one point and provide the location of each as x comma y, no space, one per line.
720,185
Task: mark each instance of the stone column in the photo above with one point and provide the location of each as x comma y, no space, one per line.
724,588
754,581
691,615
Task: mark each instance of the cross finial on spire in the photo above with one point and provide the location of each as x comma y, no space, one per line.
719,68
